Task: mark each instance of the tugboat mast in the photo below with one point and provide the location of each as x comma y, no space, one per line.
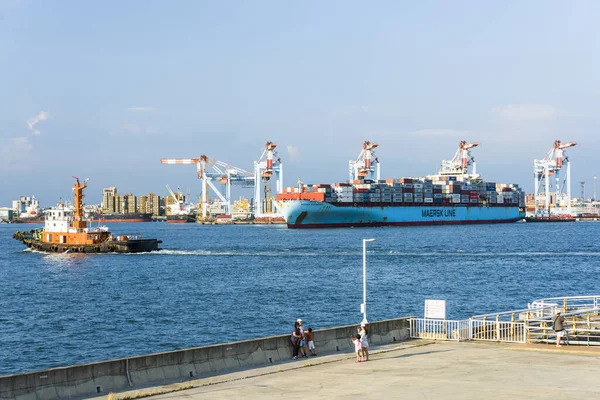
79,221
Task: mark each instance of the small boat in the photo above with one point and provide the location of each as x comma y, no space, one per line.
66,231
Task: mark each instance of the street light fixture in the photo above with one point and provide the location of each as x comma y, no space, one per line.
363,306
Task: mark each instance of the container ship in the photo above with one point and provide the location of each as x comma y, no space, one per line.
66,231
453,196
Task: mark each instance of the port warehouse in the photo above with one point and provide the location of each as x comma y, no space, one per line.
439,190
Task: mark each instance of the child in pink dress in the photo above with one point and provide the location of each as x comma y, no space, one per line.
357,347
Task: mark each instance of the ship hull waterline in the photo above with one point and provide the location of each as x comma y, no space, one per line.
129,246
315,214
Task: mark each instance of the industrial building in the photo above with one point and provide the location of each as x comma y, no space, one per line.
112,202
150,204
26,206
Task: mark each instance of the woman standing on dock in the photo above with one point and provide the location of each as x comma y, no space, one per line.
364,341
295,339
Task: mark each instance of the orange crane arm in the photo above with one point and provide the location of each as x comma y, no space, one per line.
179,160
566,145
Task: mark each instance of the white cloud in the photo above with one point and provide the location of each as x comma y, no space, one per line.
438,133
42,116
527,112
141,109
292,152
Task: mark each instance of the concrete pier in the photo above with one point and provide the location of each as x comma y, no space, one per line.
100,378
415,369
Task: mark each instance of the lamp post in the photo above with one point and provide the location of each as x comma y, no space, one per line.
363,306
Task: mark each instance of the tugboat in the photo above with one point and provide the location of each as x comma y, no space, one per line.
66,231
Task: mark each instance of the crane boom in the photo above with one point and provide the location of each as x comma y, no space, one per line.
179,160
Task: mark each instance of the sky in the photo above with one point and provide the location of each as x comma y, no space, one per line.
104,90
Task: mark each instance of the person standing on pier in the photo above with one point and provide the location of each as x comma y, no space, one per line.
357,347
303,350
558,324
295,339
364,341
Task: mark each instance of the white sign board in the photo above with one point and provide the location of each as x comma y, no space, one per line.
435,309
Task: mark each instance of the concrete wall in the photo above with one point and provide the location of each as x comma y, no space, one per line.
125,374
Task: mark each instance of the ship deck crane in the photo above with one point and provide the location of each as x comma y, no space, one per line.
177,206
267,167
363,167
461,161
551,164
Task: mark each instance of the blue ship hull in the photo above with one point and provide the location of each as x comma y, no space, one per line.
316,214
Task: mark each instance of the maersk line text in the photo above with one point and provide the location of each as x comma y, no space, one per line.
438,213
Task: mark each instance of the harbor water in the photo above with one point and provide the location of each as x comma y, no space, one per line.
213,284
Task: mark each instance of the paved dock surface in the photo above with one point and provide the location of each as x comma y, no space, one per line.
417,370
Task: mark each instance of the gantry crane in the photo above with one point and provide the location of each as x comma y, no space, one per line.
362,167
267,167
225,173
228,175
460,162
551,164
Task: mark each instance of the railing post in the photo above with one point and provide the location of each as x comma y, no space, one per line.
565,305
471,328
484,327
498,327
512,325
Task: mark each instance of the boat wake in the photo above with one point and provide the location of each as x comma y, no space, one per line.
463,253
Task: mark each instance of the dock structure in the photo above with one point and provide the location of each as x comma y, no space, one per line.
471,358
418,369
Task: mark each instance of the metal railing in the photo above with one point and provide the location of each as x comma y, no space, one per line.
568,303
468,329
438,329
531,325
498,331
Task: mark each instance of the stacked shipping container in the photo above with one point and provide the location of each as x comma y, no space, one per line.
436,190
